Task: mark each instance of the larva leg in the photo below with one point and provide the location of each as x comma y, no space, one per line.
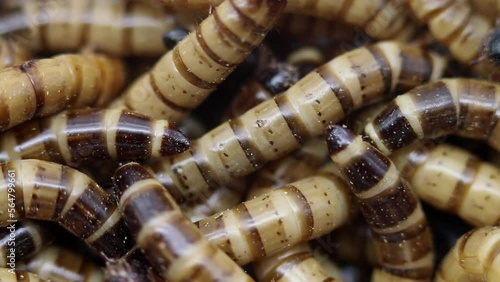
460,106
58,264
169,240
11,53
186,75
402,238
48,191
42,87
10,275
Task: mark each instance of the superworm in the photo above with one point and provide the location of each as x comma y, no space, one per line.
282,218
74,137
10,275
23,239
473,258
42,87
11,53
117,28
47,191
452,179
58,264
280,125
173,245
402,238
466,107
186,75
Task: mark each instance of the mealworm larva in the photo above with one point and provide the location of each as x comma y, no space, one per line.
42,87
173,245
58,264
28,239
77,136
452,179
186,75
460,106
474,257
10,275
115,27
48,191
273,222
402,238
11,53
280,125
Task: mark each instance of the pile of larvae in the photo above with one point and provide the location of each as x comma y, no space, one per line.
249,140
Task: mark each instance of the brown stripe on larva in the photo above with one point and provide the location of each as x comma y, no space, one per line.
163,98
329,279
50,142
85,137
30,69
416,68
292,118
250,231
248,22
247,144
78,79
222,29
302,202
41,204
380,213
203,167
117,235
383,65
408,233
397,253
436,109
452,37
99,81
187,74
463,185
366,170
214,227
338,88
208,51
437,10
392,117
133,136
477,108
287,264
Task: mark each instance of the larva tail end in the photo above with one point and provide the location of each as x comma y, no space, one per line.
174,142
128,174
338,138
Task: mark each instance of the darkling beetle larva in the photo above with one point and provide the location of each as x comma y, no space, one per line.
42,87
77,136
173,245
402,238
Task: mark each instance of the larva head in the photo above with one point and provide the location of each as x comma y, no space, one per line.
174,36
338,138
127,175
173,142
492,47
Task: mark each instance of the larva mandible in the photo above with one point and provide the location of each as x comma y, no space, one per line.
42,190
186,75
401,235
173,245
80,136
466,107
39,88
280,125
11,53
114,27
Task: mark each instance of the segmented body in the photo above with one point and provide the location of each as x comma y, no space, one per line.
78,136
11,53
186,75
280,125
42,87
47,191
454,180
473,258
57,264
28,239
402,238
170,241
132,267
117,28
466,107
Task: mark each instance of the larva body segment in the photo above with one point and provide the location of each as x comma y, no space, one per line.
173,245
489,8
11,53
402,238
42,87
74,137
118,28
380,275
132,267
58,264
473,258
466,107
30,237
452,179
270,223
186,75
280,125
9,275
48,191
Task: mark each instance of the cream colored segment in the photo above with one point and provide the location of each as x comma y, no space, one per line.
26,172
414,217
370,132
467,46
158,128
79,185
361,11
410,112
342,68
18,93
455,88
107,31
8,143
46,261
447,21
390,179
110,121
392,52
58,127
105,227
239,244
138,187
91,77
479,248
30,12
439,65
64,24
356,149
493,273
